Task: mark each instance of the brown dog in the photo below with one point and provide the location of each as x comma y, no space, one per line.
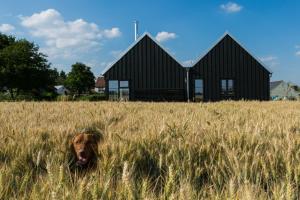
84,148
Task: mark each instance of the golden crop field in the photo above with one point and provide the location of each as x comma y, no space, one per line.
226,150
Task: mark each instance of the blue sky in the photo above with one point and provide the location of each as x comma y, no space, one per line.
95,32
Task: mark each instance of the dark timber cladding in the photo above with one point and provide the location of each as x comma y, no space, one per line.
147,72
228,60
152,74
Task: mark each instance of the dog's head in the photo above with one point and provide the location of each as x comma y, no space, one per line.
84,146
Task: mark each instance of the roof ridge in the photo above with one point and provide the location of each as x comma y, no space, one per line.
227,33
134,44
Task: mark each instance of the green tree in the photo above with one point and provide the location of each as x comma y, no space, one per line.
55,75
61,78
5,41
80,79
62,75
23,67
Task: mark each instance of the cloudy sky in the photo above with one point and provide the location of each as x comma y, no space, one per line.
96,32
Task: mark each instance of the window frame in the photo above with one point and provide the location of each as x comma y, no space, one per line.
227,93
201,96
122,88
119,89
113,89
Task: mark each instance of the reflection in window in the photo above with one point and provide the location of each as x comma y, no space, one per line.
227,88
113,90
118,90
224,86
123,84
198,89
124,90
230,87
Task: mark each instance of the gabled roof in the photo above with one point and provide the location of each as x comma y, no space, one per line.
274,84
220,39
194,62
133,45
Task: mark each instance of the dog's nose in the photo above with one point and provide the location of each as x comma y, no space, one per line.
81,153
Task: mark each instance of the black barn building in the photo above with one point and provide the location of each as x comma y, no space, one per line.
229,71
147,72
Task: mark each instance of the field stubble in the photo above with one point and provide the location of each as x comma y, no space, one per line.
226,150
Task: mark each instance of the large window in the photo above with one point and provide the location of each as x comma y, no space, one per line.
118,90
124,91
198,89
113,90
227,88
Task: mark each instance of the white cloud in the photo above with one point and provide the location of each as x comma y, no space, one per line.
231,7
112,33
298,51
271,61
6,28
65,39
164,36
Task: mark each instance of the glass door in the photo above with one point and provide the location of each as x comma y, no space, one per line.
124,91
198,90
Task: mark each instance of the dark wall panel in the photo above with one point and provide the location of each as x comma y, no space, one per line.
228,60
153,74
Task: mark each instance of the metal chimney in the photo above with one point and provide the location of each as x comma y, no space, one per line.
136,29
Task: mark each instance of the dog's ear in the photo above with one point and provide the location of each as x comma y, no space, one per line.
97,137
95,132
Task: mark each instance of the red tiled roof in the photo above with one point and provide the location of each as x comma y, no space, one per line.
100,82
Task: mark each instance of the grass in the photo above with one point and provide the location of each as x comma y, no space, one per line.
226,150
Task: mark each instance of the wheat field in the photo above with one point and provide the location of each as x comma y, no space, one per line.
226,150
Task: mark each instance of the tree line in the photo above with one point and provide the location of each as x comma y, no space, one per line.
25,70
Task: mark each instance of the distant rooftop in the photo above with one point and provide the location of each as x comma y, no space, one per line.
274,84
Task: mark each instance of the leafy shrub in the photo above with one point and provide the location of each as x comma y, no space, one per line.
4,96
48,96
64,98
92,97
43,96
